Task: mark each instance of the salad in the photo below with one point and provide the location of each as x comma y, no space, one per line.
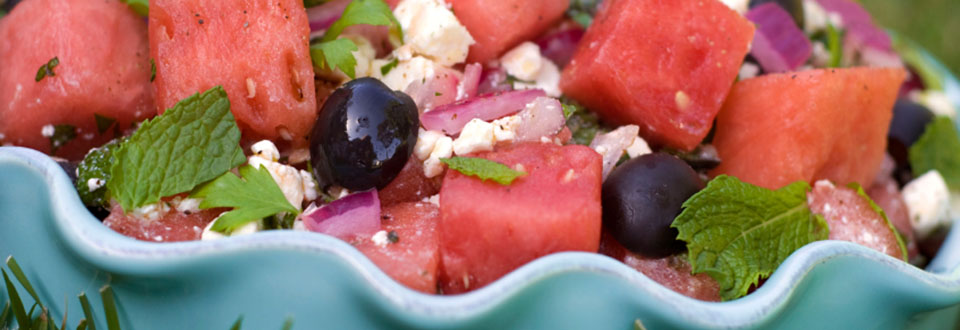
699,142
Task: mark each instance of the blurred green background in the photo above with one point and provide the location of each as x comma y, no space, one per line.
934,24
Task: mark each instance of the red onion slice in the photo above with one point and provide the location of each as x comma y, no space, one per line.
779,45
493,80
322,16
451,118
559,46
471,81
345,218
542,117
858,23
437,91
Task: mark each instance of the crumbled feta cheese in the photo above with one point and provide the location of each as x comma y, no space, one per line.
814,17
247,229
151,211
748,70
288,178
94,184
638,148
928,202
739,6
548,79
476,136
417,69
309,186
443,148
505,129
380,239
432,30
47,130
937,101
435,200
523,61
186,205
426,140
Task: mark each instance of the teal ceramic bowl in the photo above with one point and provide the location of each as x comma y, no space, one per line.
320,282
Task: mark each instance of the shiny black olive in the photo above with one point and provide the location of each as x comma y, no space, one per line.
8,5
363,136
794,7
641,198
909,121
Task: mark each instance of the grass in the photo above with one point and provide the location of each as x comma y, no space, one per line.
934,24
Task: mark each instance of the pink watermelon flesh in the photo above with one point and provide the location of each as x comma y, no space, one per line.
172,226
673,272
415,258
104,69
499,25
488,229
410,185
258,51
851,218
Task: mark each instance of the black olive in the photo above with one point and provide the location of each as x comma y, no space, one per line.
908,124
641,198
363,136
793,7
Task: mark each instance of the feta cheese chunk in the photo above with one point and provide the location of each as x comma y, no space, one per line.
937,101
296,185
247,229
417,69
476,136
526,63
426,140
928,202
380,239
638,148
433,31
442,149
505,129
739,6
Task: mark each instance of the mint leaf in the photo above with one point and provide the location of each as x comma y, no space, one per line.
483,169
938,149
96,166
254,198
46,70
335,54
191,143
332,53
569,110
876,208
142,7
738,233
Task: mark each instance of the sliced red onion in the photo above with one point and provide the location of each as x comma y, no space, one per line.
471,81
345,218
858,24
322,16
542,117
493,80
451,118
779,45
559,46
612,145
437,91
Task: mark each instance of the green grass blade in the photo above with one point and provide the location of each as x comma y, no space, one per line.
82,325
18,273
288,324
110,307
5,315
238,324
66,307
43,322
88,321
16,304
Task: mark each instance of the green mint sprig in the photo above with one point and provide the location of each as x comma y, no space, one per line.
332,53
195,141
938,149
483,169
738,233
255,197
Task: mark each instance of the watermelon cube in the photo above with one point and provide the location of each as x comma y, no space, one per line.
414,259
499,25
819,124
488,229
663,65
257,50
104,71
851,218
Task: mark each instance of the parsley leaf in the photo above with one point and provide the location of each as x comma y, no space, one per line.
386,68
193,142
95,166
334,53
142,7
255,197
569,110
46,70
738,233
938,149
483,169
